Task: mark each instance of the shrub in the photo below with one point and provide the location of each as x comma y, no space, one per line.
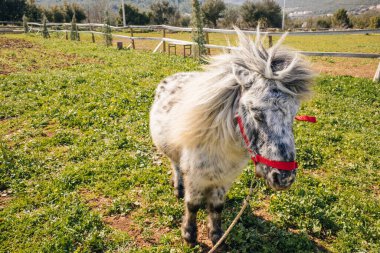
341,18
323,23
374,22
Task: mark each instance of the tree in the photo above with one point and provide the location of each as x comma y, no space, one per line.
197,29
267,11
25,24
162,12
185,20
248,13
213,10
74,35
70,9
58,14
107,30
272,12
341,18
94,10
12,10
33,12
133,16
231,17
175,19
45,31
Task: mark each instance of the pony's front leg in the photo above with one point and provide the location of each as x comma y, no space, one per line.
193,199
177,180
215,204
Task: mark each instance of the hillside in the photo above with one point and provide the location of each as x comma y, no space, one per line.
184,5
320,7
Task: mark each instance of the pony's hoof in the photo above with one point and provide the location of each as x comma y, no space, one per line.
215,236
191,244
189,234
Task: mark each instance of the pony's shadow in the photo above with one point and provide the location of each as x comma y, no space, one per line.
256,233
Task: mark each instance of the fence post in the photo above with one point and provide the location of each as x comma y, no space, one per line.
208,42
67,36
376,78
93,37
164,43
132,40
270,40
119,45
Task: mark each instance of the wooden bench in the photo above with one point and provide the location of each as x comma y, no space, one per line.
186,47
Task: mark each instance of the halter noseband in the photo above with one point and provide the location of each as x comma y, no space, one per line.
256,158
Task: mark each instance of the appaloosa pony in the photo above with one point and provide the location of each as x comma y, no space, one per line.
206,122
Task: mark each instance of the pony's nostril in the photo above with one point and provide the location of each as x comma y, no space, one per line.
277,178
283,179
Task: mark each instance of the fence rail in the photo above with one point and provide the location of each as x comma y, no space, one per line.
223,31
164,40
228,48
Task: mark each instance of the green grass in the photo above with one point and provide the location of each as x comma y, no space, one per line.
356,43
75,150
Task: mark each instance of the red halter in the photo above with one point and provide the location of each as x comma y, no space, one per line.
256,158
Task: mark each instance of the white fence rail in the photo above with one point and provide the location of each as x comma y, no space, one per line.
223,31
163,40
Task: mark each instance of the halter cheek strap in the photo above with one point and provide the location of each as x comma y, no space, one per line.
256,158
311,119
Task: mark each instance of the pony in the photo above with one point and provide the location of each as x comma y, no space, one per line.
193,121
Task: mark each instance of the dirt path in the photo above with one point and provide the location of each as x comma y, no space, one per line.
355,67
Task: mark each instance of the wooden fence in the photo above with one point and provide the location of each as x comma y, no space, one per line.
164,42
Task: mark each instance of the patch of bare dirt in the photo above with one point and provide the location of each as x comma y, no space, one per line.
22,55
127,225
49,130
145,235
15,43
5,197
376,190
346,66
96,202
262,211
6,69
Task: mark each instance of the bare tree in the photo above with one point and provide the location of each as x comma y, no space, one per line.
95,10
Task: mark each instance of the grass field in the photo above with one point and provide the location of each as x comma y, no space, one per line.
329,43
79,173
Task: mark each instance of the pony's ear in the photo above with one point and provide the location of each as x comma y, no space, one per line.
242,75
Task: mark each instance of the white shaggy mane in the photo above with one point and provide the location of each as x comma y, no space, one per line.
205,113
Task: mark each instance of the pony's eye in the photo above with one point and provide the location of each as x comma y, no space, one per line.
259,116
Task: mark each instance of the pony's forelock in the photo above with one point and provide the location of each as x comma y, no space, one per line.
290,71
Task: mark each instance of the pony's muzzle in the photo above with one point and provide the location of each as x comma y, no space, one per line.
282,179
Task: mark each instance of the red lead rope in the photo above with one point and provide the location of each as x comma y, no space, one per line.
256,158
